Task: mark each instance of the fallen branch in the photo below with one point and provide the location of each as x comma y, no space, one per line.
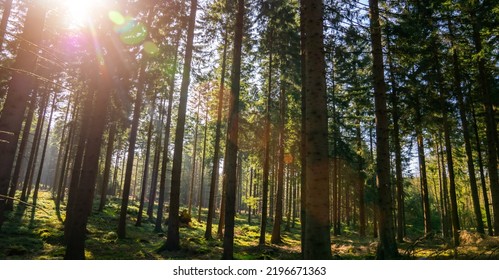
23,202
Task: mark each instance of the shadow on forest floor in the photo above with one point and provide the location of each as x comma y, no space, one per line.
43,238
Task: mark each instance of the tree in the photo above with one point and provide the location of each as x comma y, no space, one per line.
317,243
173,238
15,104
387,247
230,163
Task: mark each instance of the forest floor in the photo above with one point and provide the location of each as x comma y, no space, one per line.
38,234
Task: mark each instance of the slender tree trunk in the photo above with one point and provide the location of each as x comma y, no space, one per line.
15,103
131,150
155,171
20,153
65,161
230,162
448,146
482,173
276,230
317,242
216,149
107,166
387,247
424,180
44,151
166,143
396,142
266,160
201,185
78,213
251,194
490,120
30,169
448,222
173,238
61,151
194,158
467,142
360,183
145,178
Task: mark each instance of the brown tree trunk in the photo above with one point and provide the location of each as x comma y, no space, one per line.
107,165
360,185
467,142
396,143
145,173
173,238
44,152
482,173
230,163
276,230
132,140
201,185
15,103
317,242
216,151
194,159
266,160
83,192
387,247
30,169
20,153
490,120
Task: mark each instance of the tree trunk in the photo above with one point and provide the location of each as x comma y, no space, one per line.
44,151
145,173
216,149
107,165
194,158
20,153
78,213
276,230
230,163
131,150
15,104
387,247
266,160
173,238
360,183
424,181
490,119
61,187
317,242
482,173
30,169
166,143
201,185
397,147
467,142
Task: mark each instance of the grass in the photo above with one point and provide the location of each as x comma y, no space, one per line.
39,234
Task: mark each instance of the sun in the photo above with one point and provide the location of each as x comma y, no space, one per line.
80,12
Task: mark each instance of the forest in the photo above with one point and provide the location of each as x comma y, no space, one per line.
249,129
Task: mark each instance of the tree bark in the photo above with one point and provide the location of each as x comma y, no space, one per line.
173,238
317,242
230,163
276,230
216,149
15,104
107,165
387,247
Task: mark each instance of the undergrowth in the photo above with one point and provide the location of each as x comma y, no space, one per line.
38,233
